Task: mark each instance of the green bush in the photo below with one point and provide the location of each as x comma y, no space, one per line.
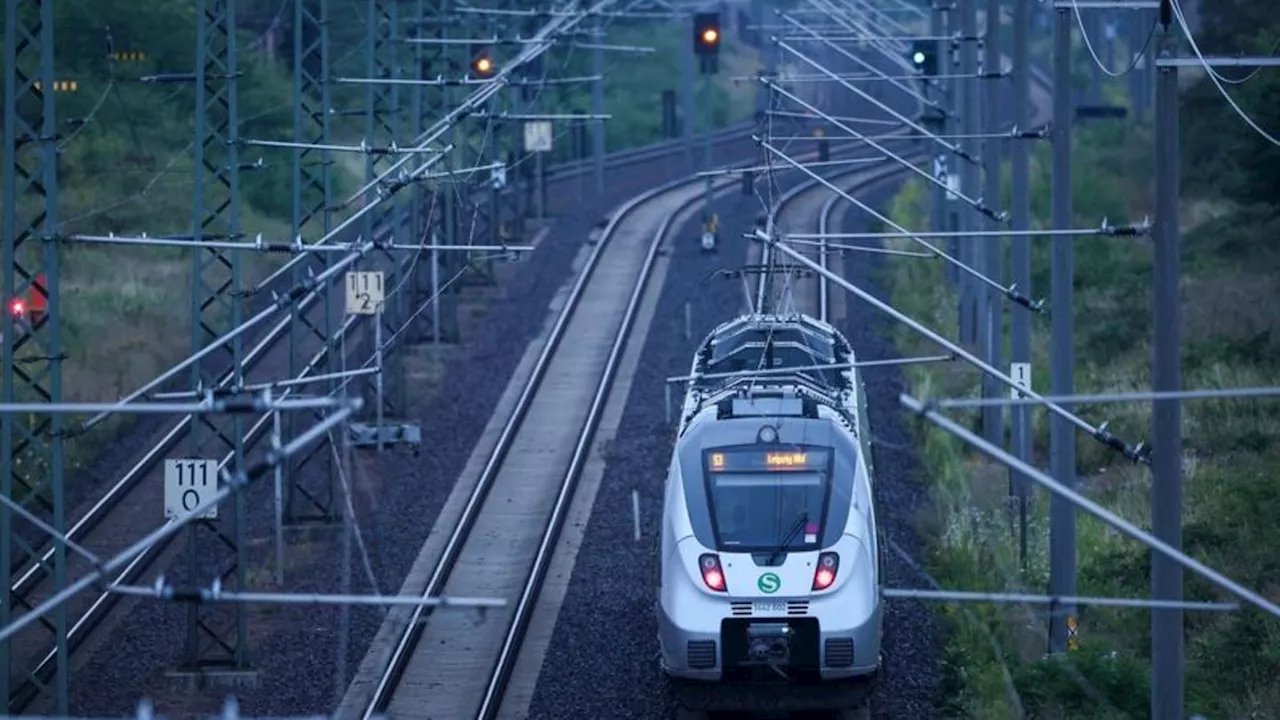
994,659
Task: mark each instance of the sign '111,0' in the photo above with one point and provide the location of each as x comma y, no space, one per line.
188,484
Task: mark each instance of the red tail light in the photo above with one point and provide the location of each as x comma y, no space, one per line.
712,575
825,574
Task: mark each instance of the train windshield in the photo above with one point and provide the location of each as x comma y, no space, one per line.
778,504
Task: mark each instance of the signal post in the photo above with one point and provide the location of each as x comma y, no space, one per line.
706,47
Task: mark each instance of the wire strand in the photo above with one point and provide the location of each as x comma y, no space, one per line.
1182,21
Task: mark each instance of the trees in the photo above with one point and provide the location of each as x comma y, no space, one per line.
1222,154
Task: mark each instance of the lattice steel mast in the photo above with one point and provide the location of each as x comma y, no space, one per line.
32,451
311,496
217,638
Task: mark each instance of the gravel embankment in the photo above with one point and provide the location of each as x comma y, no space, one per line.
611,671
911,669
397,499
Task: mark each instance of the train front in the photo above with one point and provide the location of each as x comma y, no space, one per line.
769,557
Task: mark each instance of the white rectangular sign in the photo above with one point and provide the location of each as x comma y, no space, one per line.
768,607
1021,374
537,136
188,482
365,293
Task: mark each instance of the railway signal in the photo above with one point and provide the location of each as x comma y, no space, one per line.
924,57
34,305
706,41
482,64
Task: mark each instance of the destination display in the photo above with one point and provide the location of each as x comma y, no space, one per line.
752,460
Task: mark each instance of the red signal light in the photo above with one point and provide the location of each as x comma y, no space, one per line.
825,574
17,308
712,575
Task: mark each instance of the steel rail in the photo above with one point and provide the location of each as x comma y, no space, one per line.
36,571
505,664
403,651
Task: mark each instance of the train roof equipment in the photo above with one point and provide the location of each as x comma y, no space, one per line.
775,365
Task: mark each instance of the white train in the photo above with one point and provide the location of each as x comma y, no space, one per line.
769,563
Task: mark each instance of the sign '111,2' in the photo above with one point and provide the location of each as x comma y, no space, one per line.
365,293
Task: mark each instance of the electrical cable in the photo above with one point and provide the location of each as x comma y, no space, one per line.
1084,35
1213,76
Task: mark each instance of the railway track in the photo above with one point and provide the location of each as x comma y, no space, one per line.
128,506
444,665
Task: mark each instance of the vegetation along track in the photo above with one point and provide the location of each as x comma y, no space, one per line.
129,505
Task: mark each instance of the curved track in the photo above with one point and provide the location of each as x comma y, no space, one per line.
440,666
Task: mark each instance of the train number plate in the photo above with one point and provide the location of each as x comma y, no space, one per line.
765,607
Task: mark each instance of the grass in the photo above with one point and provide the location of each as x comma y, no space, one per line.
994,658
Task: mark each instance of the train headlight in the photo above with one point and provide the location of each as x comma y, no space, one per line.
712,574
768,434
825,574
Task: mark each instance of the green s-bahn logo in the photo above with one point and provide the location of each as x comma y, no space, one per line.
769,583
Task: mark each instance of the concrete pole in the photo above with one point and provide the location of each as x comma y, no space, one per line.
686,93
949,65
1166,487
597,103
992,308
970,291
938,215
1062,437
1020,325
